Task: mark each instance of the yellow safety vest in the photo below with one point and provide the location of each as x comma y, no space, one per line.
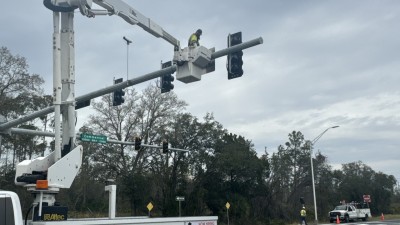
303,212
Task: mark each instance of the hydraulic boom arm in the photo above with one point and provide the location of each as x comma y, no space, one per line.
134,17
117,7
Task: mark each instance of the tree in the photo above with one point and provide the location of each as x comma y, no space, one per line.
18,88
149,116
203,139
290,175
234,174
358,179
20,93
382,192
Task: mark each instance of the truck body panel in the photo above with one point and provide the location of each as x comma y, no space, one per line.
11,214
200,220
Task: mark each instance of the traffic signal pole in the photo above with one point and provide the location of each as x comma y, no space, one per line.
111,141
236,48
156,74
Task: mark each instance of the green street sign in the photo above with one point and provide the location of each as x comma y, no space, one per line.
93,138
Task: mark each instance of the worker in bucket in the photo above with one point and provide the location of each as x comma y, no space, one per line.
303,215
194,38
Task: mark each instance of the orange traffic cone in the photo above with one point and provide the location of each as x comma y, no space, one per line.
382,217
337,219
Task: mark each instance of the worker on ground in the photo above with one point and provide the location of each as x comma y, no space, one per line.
194,38
303,215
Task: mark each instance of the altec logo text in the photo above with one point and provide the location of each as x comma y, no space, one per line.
52,217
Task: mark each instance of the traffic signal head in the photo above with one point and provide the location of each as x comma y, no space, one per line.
234,39
165,147
235,65
235,61
166,83
167,79
138,143
118,96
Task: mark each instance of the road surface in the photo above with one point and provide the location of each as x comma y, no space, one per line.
385,222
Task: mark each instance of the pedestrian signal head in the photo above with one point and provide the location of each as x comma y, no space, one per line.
138,143
165,146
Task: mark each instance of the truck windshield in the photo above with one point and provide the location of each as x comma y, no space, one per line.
340,207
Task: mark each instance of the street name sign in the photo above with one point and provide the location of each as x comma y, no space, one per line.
180,198
94,138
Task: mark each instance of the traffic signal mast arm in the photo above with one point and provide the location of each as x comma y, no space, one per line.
236,48
149,146
78,136
156,74
5,126
137,143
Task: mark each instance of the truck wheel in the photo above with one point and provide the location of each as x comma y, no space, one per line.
331,221
346,219
365,218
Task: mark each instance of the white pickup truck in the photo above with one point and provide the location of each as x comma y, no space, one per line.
349,212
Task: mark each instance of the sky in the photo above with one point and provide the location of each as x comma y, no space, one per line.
322,64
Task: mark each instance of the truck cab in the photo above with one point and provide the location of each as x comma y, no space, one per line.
10,210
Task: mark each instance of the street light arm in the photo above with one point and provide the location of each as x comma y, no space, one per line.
319,136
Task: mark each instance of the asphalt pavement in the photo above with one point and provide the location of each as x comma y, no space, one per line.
385,222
